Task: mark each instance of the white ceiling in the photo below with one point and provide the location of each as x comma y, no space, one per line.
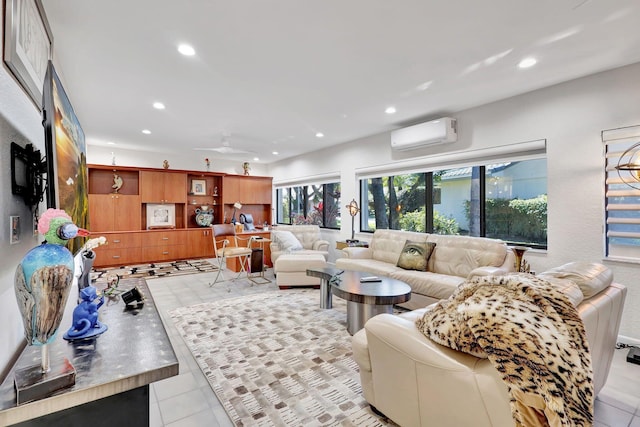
271,74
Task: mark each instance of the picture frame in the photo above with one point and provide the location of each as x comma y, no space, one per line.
161,216
14,229
28,44
199,187
66,156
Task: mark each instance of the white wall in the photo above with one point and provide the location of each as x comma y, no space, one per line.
194,160
570,116
20,122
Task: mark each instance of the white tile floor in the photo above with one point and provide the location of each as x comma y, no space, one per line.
187,400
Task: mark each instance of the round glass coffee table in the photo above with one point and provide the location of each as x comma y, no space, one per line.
365,299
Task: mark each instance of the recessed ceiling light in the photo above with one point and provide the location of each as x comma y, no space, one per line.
186,50
146,131
527,62
275,153
111,143
255,159
319,135
158,105
424,86
390,110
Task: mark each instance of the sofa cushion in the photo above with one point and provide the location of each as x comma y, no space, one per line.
286,240
435,285
386,245
591,277
459,255
415,255
369,265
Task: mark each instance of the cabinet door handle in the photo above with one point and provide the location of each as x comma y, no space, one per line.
116,256
116,241
165,238
165,253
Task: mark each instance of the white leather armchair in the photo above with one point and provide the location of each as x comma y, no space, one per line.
416,382
309,241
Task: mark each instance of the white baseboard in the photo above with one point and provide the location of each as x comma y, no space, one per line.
628,340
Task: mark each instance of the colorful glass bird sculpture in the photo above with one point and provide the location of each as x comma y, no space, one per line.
43,279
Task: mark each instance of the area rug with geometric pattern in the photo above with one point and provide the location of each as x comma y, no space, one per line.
277,358
154,270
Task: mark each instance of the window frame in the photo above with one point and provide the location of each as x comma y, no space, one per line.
429,169
303,189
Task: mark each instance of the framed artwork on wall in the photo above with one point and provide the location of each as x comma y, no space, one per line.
27,44
161,216
199,187
66,152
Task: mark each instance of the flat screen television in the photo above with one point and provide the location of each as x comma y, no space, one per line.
66,152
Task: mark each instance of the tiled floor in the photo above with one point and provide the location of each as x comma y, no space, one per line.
187,400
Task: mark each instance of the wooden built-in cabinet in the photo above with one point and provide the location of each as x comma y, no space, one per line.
212,197
122,216
114,212
163,187
200,243
121,249
252,192
164,245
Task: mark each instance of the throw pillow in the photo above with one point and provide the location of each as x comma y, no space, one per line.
286,240
415,255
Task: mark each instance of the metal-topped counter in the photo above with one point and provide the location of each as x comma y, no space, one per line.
134,352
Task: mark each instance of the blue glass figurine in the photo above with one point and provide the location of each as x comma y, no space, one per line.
43,278
85,316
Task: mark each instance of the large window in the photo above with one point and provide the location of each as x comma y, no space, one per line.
503,200
622,191
310,204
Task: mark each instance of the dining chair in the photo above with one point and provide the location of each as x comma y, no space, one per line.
225,246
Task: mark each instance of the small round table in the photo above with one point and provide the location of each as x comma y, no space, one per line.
364,299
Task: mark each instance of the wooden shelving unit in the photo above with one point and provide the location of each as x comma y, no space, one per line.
122,216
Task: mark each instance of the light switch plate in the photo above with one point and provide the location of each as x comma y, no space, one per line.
14,229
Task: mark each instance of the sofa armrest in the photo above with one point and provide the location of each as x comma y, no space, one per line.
487,271
320,245
402,335
275,247
358,253
406,365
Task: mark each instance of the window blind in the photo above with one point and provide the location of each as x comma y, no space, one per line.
622,195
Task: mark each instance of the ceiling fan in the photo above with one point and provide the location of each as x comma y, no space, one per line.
225,148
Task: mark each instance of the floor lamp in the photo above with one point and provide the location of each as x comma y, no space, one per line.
353,209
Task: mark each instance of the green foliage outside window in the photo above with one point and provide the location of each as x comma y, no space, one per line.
516,220
416,221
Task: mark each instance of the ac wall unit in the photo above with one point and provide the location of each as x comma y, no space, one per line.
425,134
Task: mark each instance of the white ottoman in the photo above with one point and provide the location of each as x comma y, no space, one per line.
291,270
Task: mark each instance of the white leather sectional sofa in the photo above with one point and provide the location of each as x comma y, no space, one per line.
416,382
453,260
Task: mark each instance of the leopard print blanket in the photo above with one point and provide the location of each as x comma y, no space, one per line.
531,334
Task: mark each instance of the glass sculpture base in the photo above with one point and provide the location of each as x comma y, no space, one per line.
32,384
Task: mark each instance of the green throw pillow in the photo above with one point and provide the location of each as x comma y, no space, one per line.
415,255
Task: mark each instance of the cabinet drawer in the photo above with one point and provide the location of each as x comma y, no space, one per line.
123,256
163,238
123,240
164,253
